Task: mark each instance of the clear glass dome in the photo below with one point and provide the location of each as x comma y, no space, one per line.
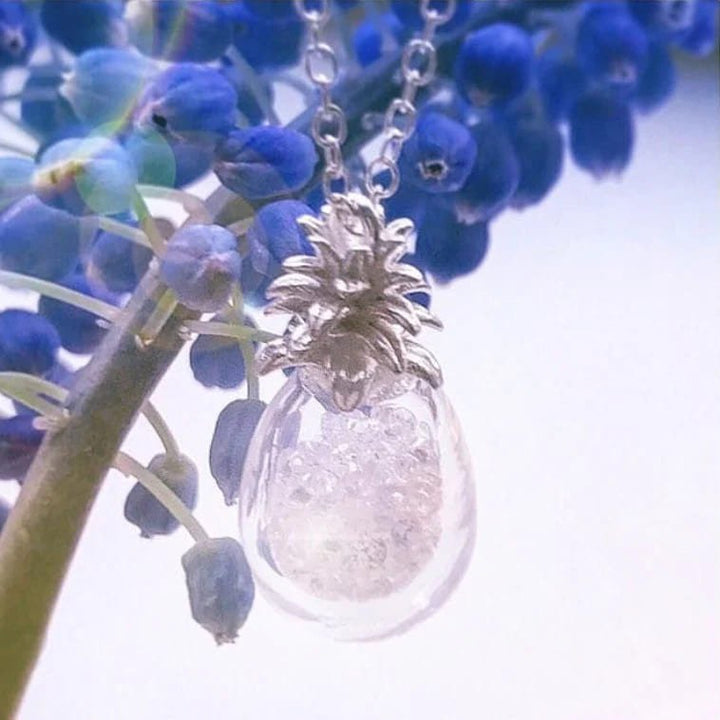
363,521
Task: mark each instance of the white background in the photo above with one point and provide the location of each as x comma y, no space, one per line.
584,361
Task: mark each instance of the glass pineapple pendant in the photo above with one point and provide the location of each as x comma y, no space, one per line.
357,506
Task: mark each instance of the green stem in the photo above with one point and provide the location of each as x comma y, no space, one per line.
246,348
239,332
17,281
156,322
127,231
254,83
29,390
162,429
129,466
13,148
148,224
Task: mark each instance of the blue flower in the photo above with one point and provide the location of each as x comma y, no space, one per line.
601,133
448,249
439,155
179,30
188,102
200,264
83,24
161,160
494,64
80,332
539,147
611,46
663,18
268,35
657,82
15,178
38,240
143,509
494,177
217,361
18,33
233,432
117,264
28,343
561,81
701,37
45,115
91,175
275,235
220,586
408,12
105,84
265,162
375,37
19,443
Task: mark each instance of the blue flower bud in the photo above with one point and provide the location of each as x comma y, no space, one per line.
117,264
266,36
611,46
5,509
179,30
93,175
200,264
494,177
217,361
83,24
19,442
45,115
701,37
143,509
494,64
188,102
265,162
275,235
28,342
439,155
539,147
448,249
233,432
220,586
561,81
18,33
160,160
601,133
375,37
105,84
80,331
15,178
38,240
663,18
657,82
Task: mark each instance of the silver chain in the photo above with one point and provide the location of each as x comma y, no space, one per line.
329,128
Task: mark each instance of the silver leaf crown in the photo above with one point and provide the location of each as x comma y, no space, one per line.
350,313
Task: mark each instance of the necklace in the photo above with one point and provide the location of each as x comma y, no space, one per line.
357,505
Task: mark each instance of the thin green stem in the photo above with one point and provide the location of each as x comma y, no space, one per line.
246,348
13,148
158,318
237,331
162,429
18,281
123,230
192,204
129,466
148,224
254,83
28,390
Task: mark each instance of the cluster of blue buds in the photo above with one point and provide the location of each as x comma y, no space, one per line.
134,101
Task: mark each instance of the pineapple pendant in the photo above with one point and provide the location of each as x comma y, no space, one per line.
357,506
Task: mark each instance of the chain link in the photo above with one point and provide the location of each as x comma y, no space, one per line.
329,128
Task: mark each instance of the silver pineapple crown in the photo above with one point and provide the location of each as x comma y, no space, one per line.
350,313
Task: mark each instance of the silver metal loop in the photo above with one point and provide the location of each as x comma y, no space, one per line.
321,64
434,15
329,124
335,184
319,14
401,115
419,62
377,190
